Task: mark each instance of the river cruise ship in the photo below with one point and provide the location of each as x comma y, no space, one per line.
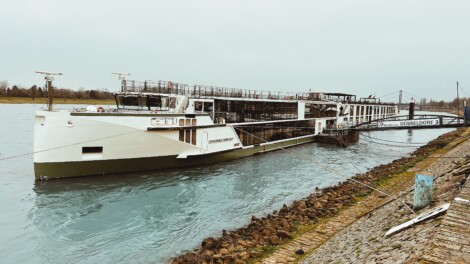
162,125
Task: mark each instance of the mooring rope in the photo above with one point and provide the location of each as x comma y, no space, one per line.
430,157
390,145
391,141
332,171
405,146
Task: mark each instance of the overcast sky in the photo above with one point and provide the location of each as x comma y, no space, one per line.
361,47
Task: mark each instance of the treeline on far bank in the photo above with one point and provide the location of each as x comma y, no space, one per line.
40,92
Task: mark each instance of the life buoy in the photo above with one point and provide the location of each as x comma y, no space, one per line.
100,109
170,84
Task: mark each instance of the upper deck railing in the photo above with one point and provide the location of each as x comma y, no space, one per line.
201,91
204,91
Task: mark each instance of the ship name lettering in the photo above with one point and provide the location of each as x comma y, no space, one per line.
212,141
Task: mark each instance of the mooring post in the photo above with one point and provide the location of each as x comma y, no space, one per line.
458,104
400,98
423,191
466,115
411,111
50,93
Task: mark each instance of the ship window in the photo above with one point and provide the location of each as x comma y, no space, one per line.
92,153
193,138
172,102
92,149
130,101
154,101
207,107
198,106
181,122
187,136
188,122
194,122
181,135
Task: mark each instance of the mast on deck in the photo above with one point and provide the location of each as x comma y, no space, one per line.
122,77
50,93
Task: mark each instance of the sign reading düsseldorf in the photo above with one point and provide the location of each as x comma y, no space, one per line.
409,123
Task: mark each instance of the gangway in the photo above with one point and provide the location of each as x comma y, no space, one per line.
419,121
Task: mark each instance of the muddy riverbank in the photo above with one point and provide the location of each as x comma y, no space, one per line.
263,235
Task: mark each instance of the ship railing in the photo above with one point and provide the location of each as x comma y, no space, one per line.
203,91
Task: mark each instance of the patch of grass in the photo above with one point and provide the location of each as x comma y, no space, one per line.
269,249
363,193
264,251
372,239
302,229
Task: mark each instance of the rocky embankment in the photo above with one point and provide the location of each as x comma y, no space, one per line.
261,235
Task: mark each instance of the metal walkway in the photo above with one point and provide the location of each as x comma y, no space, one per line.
419,121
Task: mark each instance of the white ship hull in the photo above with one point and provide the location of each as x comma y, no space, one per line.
121,143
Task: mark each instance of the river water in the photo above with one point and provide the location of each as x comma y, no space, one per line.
151,217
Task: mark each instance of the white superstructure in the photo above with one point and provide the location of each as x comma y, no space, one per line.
172,125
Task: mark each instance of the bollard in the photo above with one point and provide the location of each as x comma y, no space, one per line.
466,115
411,111
423,191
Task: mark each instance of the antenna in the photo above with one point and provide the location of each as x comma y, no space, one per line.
49,78
48,73
121,76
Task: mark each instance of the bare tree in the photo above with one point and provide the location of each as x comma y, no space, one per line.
33,91
3,87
